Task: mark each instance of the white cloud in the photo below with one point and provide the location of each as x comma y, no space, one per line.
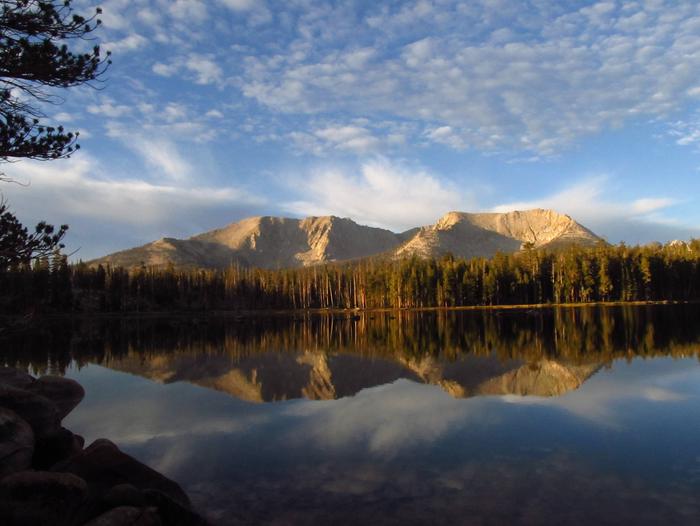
174,111
189,10
108,212
587,200
111,16
592,203
205,68
164,70
240,5
84,190
171,121
148,16
64,117
359,136
559,74
158,152
686,132
419,414
350,138
108,108
650,204
131,42
446,135
382,194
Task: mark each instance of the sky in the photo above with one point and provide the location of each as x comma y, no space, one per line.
391,113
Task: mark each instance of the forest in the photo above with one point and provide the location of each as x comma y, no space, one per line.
603,273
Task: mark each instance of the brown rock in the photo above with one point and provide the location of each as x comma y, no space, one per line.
15,378
56,447
103,466
63,392
39,412
16,443
173,513
127,516
124,495
38,498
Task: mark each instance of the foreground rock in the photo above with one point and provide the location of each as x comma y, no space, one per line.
15,378
65,393
56,447
47,478
39,412
16,443
41,498
104,466
127,516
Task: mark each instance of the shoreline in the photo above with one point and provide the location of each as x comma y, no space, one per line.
262,313
48,475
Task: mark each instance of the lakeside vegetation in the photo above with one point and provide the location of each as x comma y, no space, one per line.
572,275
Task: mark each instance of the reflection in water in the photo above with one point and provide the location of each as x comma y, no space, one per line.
590,419
268,376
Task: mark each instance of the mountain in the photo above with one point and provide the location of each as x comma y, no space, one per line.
317,375
267,242
278,242
472,235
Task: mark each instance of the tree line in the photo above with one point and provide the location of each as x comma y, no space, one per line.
571,275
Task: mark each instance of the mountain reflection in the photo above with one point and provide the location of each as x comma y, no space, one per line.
542,353
267,376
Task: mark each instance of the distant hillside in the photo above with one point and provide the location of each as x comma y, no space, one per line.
277,242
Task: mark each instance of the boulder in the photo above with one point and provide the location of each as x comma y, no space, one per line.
39,498
173,513
15,378
103,466
39,412
16,443
127,516
124,495
63,392
55,447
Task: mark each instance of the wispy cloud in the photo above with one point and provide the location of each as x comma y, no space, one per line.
107,107
111,212
420,414
131,42
528,76
391,195
591,202
204,67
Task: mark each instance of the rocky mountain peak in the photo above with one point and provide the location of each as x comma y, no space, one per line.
279,242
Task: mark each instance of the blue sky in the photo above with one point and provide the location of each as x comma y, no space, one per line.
391,113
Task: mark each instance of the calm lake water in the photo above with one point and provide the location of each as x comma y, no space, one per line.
558,416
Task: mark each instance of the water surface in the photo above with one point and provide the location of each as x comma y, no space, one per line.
558,416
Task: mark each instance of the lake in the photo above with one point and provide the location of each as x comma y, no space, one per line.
559,416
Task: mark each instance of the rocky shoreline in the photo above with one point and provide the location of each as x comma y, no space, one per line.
49,477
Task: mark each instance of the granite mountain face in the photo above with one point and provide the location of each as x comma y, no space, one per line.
278,242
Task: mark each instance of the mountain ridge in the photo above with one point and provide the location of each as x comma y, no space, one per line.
280,242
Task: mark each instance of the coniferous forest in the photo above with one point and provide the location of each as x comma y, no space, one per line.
573,275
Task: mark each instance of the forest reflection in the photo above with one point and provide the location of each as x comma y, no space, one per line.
543,352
